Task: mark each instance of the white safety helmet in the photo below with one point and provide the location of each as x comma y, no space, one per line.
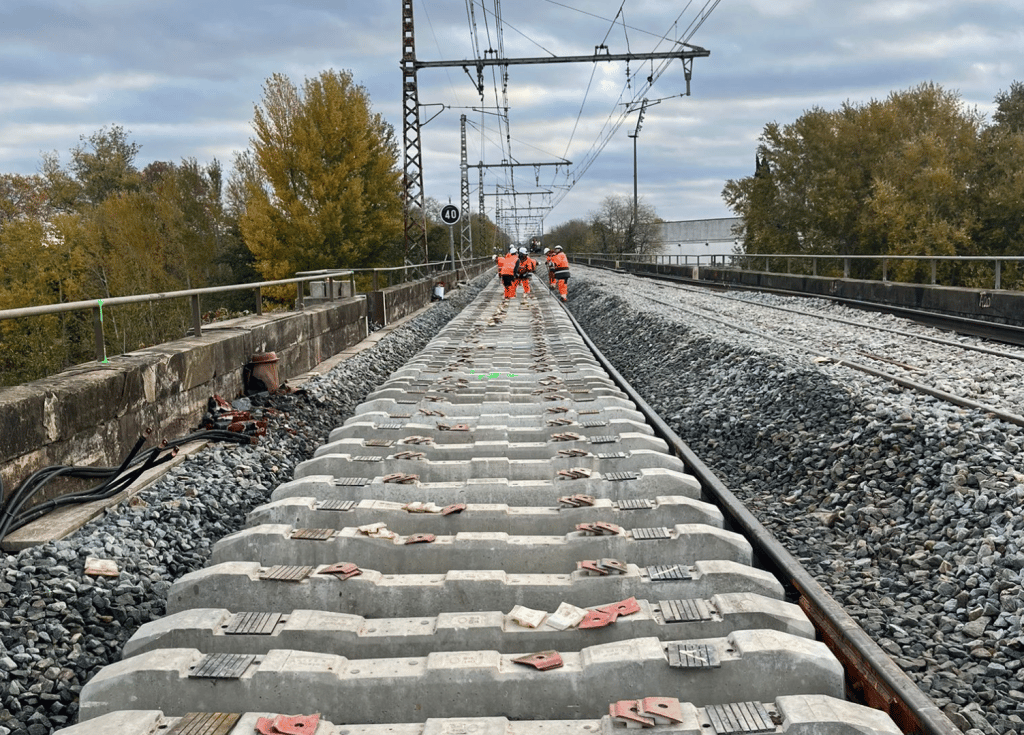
558,248
522,251
512,248
547,250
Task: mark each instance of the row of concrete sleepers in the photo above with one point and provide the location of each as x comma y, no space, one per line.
495,541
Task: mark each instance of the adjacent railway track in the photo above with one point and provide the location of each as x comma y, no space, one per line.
504,537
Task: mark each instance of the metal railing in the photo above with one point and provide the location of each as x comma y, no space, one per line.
194,295
754,261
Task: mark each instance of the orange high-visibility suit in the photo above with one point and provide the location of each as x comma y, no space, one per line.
506,266
561,272
523,268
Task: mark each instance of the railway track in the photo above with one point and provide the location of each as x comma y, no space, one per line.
501,539
985,388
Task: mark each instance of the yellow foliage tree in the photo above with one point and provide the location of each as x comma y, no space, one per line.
323,187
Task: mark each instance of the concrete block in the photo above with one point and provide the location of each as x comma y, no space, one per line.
683,544
745,666
238,586
810,714
206,629
487,427
540,521
514,469
646,484
480,447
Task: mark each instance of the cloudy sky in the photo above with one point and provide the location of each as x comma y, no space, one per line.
183,76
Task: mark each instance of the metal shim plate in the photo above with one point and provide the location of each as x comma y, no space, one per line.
312,534
222,666
351,481
603,439
367,458
252,623
749,717
593,424
282,573
379,442
205,723
391,426
340,505
650,534
692,656
635,504
619,476
587,413
684,611
664,572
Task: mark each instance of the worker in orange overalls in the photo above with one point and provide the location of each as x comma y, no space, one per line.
561,272
523,267
548,252
506,266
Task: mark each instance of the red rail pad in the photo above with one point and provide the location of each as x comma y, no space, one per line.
343,570
664,710
284,725
420,538
628,711
541,661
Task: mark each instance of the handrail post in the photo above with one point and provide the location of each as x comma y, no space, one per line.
846,267
352,282
814,265
330,288
934,263
258,293
999,274
97,330
300,294
197,318
885,269
376,286
767,266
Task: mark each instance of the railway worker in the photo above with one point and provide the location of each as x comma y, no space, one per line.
524,266
548,253
506,266
561,272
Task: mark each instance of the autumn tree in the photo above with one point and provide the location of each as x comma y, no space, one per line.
887,177
323,190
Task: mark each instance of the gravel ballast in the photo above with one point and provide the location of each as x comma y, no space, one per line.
59,626
905,508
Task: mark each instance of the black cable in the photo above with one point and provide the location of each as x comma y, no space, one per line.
114,479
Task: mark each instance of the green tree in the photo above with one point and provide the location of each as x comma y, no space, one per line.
576,235
888,177
617,231
324,188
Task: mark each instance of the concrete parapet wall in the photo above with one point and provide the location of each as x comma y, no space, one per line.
93,413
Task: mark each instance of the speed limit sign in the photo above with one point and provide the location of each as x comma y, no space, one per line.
450,214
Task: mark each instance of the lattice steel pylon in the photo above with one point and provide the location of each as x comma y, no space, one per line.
466,241
415,210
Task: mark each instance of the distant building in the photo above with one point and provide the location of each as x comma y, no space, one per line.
701,236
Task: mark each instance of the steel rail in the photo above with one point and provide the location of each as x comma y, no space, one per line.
872,675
